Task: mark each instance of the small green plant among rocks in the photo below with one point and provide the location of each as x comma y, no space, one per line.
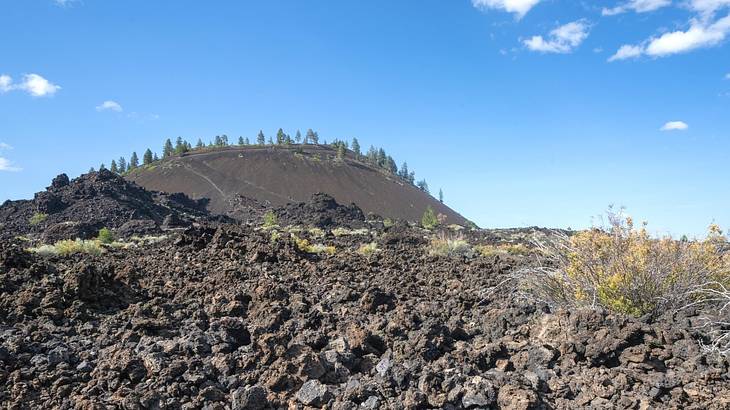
304,246
270,220
429,220
37,218
106,236
368,249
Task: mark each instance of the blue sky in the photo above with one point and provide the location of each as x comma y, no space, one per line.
525,112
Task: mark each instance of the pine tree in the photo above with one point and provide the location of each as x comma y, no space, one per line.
356,147
341,151
382,158
412,177
102,167
91,170
113,168
167,149
147,157
224,140
122,164
280,137
261,139
218,141
390,165
441,195
247,141
133,161
181,146
404,171
271,142
422,185
298,137
200,144
240,141
429,220
312,137
155,157
372,155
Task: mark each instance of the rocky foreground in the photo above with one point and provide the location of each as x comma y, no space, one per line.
226,315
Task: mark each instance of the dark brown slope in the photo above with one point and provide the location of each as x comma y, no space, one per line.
281,175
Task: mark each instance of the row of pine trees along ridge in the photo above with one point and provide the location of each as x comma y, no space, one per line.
374,156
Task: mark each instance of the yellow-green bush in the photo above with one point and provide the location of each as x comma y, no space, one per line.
504,249
304,246
368,249
444,245
429,220
69,247
37,218
270,220
624,269
105,236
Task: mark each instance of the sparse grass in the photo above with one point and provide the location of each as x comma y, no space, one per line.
345,232
37,218
69,247
316,232
387,222
148,239
304,246
449,246
270,220
504,249
624,269
368,249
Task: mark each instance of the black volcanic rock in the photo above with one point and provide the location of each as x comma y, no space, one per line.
78,208
321,211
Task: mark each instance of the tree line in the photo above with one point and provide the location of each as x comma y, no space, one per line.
374,156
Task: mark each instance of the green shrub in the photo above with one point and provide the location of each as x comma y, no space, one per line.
37,218
429,219
387,222
270,220
105,236
304,246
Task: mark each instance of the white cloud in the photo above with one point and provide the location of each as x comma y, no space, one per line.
707,8
727,76
109,105
518,7
674,126
626,51
563,39
6,83
6,165
65,3
4,146
699,35
638,6
38,86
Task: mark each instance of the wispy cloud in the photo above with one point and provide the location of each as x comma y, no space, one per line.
109,105
5,164
563,39
65,3
674,126
33,84
638,6
727,76
518,7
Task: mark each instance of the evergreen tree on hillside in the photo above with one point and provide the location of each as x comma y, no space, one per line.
404,171
261,139
113,168
155,157
441,195
240,141
390,165
200,144
218,142
356,147
133,161
341,151
147,157
412,177
122,165
422,185
382,158
224,140
298,137
167,149
280,137
271,142
181,146
247,142
91,170
102,167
